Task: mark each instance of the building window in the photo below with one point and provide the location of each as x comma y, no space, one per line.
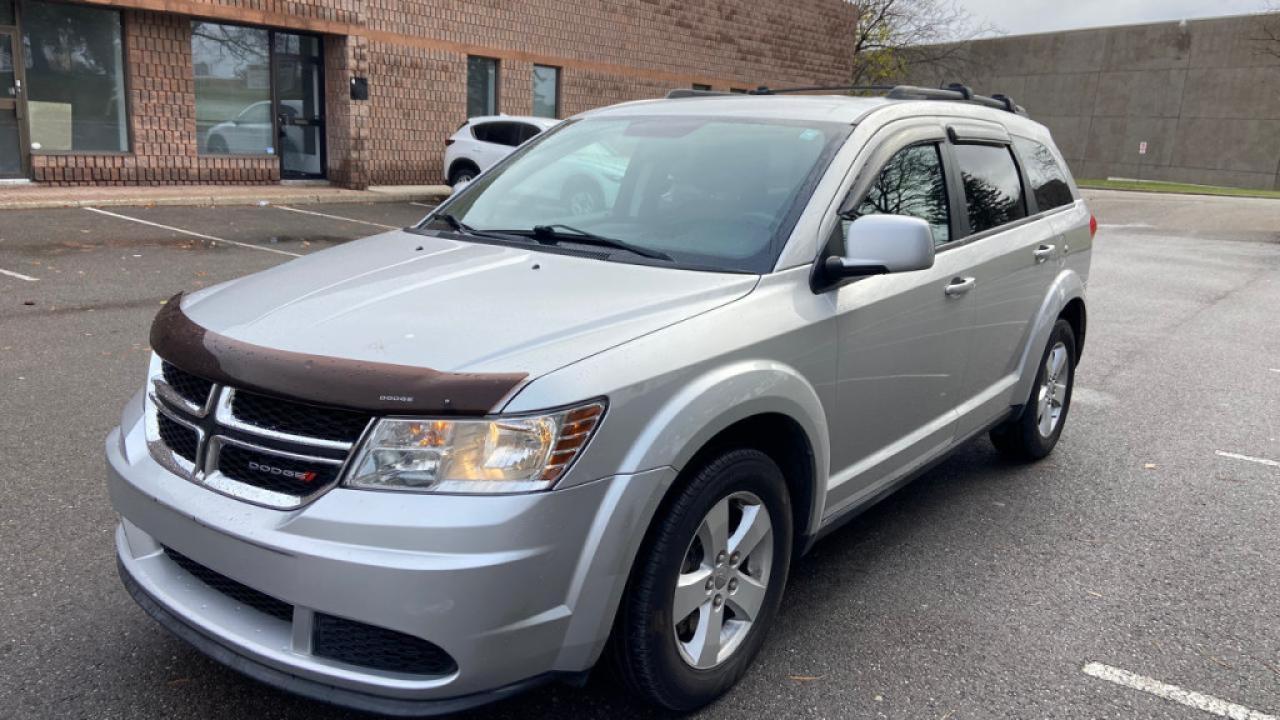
75,78
482,86
232,68
546,91
700,86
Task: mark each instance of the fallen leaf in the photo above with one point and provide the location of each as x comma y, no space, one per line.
1149,466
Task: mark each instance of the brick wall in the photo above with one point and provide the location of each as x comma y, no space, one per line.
414,54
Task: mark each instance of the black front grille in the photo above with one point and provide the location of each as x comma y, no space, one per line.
239,592
194,390
179,438
298,418
370,646
273,472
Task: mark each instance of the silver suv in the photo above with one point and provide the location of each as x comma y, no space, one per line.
426,470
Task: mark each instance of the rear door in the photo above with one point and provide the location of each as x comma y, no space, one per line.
1016,247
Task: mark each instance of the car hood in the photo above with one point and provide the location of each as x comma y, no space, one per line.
453,306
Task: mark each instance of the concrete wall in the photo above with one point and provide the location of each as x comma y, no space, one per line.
1200,94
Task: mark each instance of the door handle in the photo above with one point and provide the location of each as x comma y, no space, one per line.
959,286
1044,252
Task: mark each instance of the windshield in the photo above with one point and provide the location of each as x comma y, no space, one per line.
718,193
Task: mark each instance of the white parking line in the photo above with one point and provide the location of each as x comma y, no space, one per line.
415,202
335,217
1274,370
1250,458
18,275
1190,698
192,233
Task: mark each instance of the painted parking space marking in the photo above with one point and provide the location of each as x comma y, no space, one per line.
1173,693
18,275
335,217
414,202
192,233
1248,458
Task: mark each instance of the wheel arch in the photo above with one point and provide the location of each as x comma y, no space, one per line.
459,163
1065,298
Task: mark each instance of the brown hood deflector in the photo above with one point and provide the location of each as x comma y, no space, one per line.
380,388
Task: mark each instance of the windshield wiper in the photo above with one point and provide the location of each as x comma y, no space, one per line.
552,233
458,226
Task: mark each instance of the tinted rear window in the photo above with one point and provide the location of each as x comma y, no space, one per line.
502,133
992,188
1047,180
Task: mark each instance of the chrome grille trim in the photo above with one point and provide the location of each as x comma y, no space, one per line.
226,416
167,458
215,480
213,425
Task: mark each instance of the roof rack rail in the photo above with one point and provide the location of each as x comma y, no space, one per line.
687,93
955,92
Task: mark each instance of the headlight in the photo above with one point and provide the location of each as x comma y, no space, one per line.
498,455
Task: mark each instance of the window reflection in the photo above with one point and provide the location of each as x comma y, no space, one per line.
75,78
233,89
992,188
912,183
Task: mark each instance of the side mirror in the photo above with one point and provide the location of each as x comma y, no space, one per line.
879,244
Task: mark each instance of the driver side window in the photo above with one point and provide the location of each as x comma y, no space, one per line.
912,183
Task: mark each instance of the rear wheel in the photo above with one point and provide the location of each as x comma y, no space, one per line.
1034,433
708,583
463,173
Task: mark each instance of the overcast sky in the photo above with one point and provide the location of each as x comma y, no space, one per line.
1019,17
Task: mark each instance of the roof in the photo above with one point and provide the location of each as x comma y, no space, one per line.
829,108
542,122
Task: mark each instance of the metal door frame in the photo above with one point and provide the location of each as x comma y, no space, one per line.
276,114
18,103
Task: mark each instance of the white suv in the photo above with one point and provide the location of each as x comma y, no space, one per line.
482,141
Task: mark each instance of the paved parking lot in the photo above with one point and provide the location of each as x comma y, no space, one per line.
1145,550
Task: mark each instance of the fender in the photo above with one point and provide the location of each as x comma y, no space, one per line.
715,400
1066,287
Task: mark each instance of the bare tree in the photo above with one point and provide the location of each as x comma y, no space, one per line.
897,39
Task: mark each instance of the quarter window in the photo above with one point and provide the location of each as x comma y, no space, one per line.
546,91
75,78
992,188
1048,182
482,86
912,183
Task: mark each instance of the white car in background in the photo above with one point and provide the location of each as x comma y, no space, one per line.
482,141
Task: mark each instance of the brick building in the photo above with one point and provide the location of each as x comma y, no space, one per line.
357,92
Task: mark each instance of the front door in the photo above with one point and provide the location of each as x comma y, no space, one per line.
903,346
13,126
299,105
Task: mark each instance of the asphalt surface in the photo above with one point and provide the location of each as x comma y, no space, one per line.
979,591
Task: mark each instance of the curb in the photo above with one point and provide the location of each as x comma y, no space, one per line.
429,195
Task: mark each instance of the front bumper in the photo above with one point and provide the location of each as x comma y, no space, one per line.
516,589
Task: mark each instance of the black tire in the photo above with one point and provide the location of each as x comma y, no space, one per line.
582,196
644,648
216,145
462,172
1022,438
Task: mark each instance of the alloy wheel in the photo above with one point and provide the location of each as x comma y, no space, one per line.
723,579
1053,389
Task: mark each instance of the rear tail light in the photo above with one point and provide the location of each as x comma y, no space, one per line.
1093,226
448,142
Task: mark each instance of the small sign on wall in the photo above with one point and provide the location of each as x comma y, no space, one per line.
1142,148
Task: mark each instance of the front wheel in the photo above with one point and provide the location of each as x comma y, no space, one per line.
1034,433
708,583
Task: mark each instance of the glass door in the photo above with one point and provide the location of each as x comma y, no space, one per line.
13,127
299,103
